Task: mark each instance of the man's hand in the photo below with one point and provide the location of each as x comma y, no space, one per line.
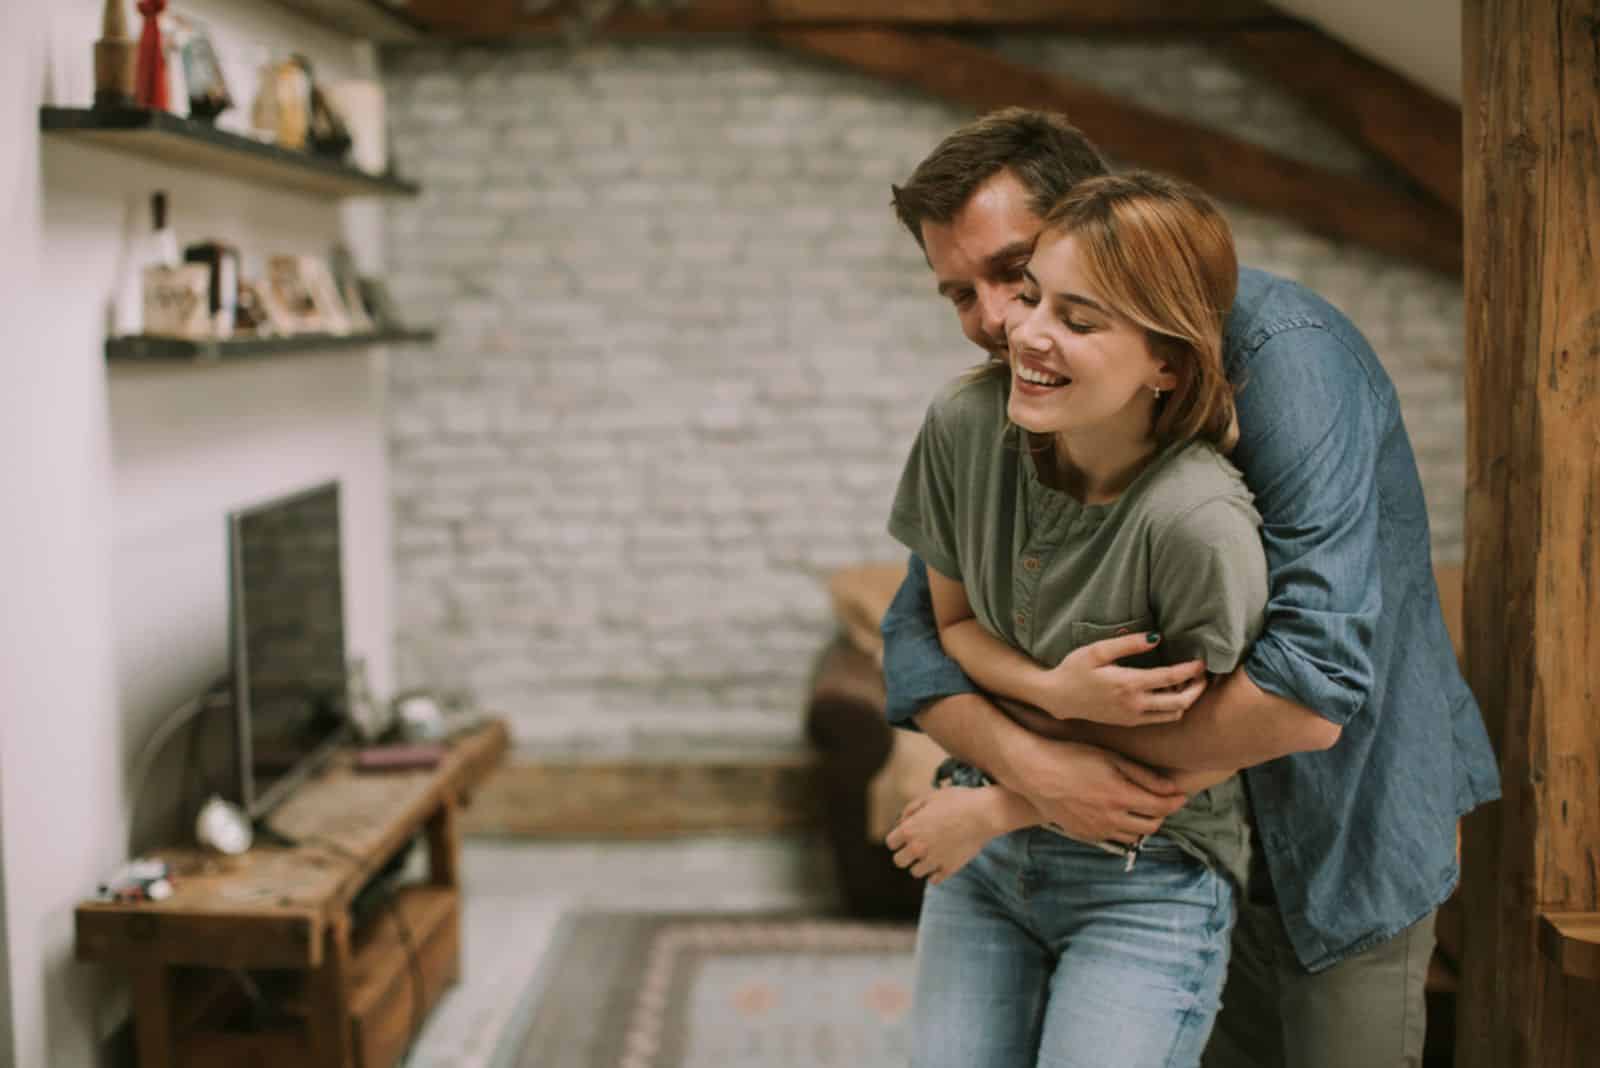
1090,685
1093,794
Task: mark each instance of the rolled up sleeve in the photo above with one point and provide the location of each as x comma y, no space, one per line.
915,667
1312,423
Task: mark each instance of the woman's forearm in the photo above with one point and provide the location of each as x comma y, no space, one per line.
1234,724
990,662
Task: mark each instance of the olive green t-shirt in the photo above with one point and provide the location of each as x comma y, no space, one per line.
1179,551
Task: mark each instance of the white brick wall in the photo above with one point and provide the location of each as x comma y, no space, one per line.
685,346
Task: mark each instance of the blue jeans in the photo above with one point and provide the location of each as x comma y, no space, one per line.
1045,952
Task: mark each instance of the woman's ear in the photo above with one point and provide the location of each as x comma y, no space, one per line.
1166,379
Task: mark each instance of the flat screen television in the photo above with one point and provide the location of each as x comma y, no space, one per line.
286,641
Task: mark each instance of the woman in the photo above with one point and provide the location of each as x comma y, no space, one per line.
1073,492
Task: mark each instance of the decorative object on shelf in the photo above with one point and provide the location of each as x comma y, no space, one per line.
361,104
379,304
163,249
174,29
369,716
251,316
282,109
221,261
150,89
177,301
208,89
114,61
301,297
327,133
144,248
348,281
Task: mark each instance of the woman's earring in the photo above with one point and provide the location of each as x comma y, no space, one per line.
1157,391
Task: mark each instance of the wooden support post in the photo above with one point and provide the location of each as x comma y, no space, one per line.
444,845
152,1014
329,1022
1532,604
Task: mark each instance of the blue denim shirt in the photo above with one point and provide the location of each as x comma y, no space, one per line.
1359,839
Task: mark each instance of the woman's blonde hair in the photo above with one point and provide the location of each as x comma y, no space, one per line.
1161,255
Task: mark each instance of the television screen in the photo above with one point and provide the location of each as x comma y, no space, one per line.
287,641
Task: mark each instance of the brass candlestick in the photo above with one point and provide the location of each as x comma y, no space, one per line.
114,59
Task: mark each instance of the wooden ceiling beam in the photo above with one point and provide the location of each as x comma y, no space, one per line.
502,18
1337,206
1400,121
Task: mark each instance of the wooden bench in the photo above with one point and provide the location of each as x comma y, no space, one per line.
276,924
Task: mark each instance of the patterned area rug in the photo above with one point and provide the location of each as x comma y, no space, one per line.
629,990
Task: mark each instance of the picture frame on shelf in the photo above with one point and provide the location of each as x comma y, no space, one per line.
300,297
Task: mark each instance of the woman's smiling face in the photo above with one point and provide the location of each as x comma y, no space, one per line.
1076,366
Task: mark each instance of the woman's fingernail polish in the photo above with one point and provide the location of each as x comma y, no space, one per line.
1152,637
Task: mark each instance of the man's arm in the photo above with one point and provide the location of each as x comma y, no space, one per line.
1235,724
1094,795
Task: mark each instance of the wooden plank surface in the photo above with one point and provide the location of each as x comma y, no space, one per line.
644,799
1572,941
1532,602
499,18
374,20
1333,205
1396,118
190,143
270,907
365,816
382,951
389,1002
199,925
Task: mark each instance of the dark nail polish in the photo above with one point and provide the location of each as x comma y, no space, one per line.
1152,637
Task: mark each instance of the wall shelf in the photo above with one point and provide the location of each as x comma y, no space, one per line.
186,142
141,349
372,19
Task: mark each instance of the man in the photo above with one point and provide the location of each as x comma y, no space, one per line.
1363,745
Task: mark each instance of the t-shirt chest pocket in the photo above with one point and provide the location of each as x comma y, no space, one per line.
1088,633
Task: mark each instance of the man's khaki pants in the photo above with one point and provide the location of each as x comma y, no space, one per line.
1365,1012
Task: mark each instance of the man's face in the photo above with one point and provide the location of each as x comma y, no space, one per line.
978,257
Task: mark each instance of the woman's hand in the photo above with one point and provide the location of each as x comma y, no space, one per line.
938,832
1090,685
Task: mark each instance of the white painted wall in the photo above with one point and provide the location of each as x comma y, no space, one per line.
116,483
1420,39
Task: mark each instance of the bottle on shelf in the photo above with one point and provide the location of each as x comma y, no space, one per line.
154,244
163,241
114,58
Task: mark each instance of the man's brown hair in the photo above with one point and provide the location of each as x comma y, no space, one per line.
1047,154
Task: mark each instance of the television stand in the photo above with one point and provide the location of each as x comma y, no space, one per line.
255,959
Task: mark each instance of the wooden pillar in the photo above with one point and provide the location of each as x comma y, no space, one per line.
1531,112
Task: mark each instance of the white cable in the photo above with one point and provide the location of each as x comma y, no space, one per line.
152,748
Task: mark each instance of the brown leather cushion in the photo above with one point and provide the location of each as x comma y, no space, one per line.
861,596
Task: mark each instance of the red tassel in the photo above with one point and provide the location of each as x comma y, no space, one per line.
150,78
